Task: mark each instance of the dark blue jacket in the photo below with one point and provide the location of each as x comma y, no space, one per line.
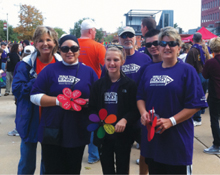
27,114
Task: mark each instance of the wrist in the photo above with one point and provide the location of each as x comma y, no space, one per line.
57,102
173,121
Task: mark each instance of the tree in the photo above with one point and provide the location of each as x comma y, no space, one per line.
175,25
59,31
29,19
11,34
76,30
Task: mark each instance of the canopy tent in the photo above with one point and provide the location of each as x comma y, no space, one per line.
206,35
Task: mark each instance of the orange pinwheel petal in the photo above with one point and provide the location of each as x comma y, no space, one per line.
111,119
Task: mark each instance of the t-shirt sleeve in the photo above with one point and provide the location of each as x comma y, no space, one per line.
42,83
140,90
194,95
101,55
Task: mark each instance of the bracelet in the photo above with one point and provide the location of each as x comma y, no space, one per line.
173,121
57,102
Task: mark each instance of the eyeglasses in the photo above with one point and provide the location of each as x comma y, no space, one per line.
127,34
154,43
66,49
115,45
170,43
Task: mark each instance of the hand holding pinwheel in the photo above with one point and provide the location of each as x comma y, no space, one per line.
102,123
151,125
71,99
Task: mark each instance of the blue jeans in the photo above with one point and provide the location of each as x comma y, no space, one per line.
93,150
3,66
197,116
27,163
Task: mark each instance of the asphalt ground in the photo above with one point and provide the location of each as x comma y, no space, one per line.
10,145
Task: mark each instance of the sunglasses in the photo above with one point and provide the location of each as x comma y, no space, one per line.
127,34
115,45
66,49
155,43
170,43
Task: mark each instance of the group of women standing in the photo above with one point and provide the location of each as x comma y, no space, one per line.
171,87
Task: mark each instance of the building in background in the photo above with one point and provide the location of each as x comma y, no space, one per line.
163,18
210,18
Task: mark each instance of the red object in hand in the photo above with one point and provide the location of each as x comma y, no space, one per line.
71,99
151,126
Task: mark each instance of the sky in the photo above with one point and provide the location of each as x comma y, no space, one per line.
108,14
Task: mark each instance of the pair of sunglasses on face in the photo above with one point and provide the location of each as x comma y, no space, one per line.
162,44
127,34
66,49
115,45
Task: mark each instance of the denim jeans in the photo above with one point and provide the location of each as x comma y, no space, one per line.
197,116
214,111
27,163
93,150
3,66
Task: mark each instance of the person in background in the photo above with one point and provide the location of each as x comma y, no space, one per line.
4,55
27,51
27,114
1,52
92,54
197,58
66,156
24,44
211,72
12,60
174,91
185,49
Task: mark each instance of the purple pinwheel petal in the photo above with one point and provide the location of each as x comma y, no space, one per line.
94,118
92,127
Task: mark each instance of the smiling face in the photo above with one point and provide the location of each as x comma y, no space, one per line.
169,53
153,50
69,57
45,44
113,62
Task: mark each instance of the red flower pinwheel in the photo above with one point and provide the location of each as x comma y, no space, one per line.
103,122
71,99
151,126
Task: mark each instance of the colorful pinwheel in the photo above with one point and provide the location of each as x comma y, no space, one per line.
151,126
71,99
102,123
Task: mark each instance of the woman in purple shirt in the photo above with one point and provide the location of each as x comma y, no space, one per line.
173,89
66,157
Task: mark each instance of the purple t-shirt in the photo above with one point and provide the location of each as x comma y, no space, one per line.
51,81
170,90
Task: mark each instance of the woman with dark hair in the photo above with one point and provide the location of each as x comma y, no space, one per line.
64,156
12,60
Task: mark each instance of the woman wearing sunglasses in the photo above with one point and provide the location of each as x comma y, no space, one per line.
64,157
27,114
117,94
173,89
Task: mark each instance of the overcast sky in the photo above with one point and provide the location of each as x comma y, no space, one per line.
108,14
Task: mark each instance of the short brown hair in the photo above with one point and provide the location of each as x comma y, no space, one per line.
149,22
41,30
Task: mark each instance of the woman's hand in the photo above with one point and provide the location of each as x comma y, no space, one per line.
120,126
163,124
145,118
87,103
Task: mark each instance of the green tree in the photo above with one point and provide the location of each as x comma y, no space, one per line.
175,25
59,31
76,30
11,34
29,19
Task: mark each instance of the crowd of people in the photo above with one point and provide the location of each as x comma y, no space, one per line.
157,95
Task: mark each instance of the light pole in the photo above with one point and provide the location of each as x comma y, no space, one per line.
7,27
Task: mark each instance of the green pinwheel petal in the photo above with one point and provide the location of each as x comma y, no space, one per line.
100,132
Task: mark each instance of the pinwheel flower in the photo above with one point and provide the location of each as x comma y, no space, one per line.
102,123
151,126
70,98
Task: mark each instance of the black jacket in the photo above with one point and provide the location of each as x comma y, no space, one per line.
13,59
127,104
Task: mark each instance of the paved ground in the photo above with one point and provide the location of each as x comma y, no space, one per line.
9,146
